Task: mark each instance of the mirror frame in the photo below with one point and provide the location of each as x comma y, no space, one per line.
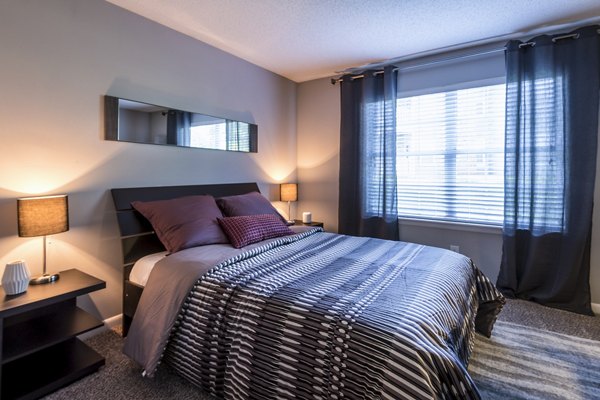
111,126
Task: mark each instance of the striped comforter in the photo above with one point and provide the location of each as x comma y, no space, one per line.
327,316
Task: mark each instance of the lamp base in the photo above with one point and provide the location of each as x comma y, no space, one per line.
42,279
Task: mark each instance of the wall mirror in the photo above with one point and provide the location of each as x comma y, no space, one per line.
137,122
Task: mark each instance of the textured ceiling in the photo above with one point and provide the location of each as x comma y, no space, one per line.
309,39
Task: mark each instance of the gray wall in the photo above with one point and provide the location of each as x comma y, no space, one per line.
319,151
59,58
134,126
318,167
158,128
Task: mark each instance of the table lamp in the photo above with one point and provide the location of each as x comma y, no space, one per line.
42,216
289,193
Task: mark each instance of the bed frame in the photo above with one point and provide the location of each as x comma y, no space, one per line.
137,236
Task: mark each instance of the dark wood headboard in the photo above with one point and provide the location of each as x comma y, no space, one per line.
137,236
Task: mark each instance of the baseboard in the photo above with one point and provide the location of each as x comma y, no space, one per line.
596,308
109,323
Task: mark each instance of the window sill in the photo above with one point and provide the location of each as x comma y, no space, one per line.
454,226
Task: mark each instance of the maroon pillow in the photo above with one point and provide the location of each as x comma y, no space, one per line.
248,229
252,203
184,222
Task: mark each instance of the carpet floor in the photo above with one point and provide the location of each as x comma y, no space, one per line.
520,362
535,352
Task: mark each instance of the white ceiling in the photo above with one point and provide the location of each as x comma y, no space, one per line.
309,39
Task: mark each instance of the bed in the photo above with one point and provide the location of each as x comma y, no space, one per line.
309,314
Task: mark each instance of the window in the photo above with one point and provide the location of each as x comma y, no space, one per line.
216,133
450,155
209,136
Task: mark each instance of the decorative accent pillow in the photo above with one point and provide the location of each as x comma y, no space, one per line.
248,229
184,222
252,203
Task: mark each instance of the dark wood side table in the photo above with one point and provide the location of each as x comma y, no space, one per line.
314,223
40,351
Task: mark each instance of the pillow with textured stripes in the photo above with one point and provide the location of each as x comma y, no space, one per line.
183,222
252,203
247,229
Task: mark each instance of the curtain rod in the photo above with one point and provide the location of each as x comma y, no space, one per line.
518,35
430,63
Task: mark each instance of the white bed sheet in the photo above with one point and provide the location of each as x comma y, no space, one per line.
141,269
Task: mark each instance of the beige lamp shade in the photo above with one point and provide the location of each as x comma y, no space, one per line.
289,192
40,216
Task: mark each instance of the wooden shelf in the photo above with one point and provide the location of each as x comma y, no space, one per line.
39,350
298,222
72,283
44,331
47,370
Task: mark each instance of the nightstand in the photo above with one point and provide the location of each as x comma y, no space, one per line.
314,223
40,350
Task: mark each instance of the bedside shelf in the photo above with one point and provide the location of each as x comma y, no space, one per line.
298,222
39,349
37,374
44,331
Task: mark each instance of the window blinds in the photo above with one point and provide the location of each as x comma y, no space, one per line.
450,155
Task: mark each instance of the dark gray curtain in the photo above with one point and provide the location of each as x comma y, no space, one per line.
238,136
550,166
368,197
179,124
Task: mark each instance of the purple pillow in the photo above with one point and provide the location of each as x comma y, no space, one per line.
252,203
184,222
248,229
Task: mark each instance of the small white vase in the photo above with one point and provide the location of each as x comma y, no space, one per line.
16,277
307,217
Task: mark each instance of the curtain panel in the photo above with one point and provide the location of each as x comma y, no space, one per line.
179,124
368,184
552,104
